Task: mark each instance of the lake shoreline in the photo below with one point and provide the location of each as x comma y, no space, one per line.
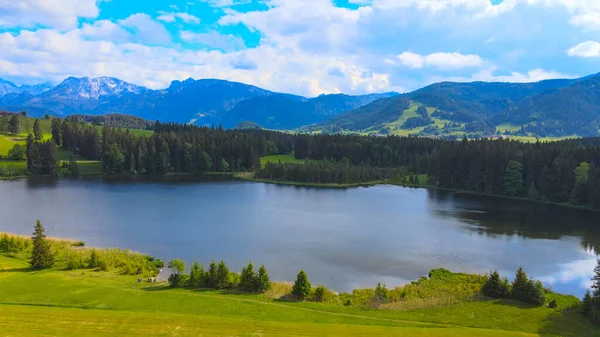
249,176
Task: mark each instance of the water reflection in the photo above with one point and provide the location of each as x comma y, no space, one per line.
500,217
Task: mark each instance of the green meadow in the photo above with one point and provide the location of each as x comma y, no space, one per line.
109,300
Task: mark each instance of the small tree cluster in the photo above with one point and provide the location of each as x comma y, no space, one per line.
495,286
218,276
252,281
527,290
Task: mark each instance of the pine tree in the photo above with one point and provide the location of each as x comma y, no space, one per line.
211,278
596,284
588,304
196,275
520,285
513,179
42,256
495,286
222,276
56,131
14,126
247,278
302,287
37,130
94,260
262,282
381,293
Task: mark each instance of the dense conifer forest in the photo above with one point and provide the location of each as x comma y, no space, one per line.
564,171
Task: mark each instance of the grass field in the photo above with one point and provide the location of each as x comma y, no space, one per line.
91,303
284,158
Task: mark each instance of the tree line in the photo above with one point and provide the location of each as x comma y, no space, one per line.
172,148
564,171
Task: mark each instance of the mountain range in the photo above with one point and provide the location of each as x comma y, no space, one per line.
203,102
557,108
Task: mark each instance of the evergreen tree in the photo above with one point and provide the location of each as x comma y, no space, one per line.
94,260
212,279
73,167
513,179
381,293
37,130
596,284
248,278
42,256
196,275
302,287
262,282
222,276
56,131
31,154
17,152
113,160
14,126
588,304
519,285
495,286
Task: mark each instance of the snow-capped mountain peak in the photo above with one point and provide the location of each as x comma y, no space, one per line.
94,88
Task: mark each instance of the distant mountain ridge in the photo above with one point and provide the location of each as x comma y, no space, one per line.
550,108
203,102
556,108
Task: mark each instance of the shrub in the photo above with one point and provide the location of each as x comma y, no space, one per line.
495,286
381,294
176,280
78,244
322,294
552,304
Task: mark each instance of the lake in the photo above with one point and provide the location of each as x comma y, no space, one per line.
343,238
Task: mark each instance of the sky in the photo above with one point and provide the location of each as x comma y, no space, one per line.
305,47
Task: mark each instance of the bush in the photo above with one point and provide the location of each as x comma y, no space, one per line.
176,280
495,286
17,152
552,304
381,294
322,294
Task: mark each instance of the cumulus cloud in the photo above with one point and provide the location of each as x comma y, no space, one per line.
173,16
225,3
146,29
59,14
586,49
440,60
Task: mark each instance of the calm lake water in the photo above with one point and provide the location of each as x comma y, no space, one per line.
344,239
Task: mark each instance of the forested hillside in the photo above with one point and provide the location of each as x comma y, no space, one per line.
553,108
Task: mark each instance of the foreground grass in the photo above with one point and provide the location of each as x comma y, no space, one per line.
89,303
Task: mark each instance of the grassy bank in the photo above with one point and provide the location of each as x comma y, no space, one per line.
93,301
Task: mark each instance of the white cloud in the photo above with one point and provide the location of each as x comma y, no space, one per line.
586,49
215,40
440,60
146,29
488,75
59,14
172,16
225,3
105,30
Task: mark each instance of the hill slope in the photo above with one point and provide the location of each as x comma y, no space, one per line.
557,108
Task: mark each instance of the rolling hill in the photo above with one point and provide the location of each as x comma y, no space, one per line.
552,108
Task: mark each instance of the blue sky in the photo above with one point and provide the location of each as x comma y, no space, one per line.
304,47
